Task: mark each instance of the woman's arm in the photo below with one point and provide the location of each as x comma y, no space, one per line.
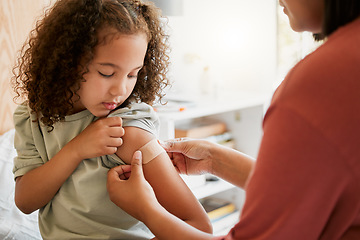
192,156
231,165
171,191
129,190
38,186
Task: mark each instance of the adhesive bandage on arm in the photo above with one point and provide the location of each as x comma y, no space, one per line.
151,150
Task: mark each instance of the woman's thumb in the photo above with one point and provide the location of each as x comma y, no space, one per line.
175,145
136,164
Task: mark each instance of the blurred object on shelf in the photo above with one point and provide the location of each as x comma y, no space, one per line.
201,128
173,105
211,178
194,181
217,208
170,7
225,139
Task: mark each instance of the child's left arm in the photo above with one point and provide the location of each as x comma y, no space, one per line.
170,190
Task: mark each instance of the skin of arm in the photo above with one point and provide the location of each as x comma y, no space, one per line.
231,165
170,190
38,186
192,156
129,190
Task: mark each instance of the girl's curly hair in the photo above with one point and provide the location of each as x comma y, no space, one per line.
60,48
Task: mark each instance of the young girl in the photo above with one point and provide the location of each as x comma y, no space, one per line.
88,73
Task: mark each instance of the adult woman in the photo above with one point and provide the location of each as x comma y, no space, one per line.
305,183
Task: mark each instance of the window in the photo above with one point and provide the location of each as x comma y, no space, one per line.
291,46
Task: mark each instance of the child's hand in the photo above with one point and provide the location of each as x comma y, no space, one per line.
101,137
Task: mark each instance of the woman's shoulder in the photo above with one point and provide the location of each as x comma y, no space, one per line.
325,81
340,52
331,66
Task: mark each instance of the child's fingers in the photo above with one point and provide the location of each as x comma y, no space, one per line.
122,169
116,131
114,121
114,142
122,172
112,176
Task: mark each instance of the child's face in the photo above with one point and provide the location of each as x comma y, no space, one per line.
112,74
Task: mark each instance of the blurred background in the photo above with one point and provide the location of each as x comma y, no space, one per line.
222,49
219,48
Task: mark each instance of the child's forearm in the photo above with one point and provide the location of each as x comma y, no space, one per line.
37,187
164,225
201,224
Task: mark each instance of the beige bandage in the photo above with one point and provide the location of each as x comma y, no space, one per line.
150,151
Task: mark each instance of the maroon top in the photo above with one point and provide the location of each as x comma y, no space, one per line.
306,183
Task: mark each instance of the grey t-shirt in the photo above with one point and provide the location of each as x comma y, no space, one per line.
81,209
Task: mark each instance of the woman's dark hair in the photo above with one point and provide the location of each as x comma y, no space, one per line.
338,13
61,47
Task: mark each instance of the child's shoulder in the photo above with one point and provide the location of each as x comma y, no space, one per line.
23,113
134,110
140,115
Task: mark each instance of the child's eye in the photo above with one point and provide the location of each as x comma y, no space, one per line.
105,75
132,76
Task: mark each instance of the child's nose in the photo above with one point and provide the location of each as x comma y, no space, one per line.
118,88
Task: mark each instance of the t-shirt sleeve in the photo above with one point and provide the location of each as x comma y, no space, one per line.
138,115
28,156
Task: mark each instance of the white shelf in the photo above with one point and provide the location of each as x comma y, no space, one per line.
208,107
223,226
210,188
243,115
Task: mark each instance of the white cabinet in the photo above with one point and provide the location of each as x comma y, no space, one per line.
243,115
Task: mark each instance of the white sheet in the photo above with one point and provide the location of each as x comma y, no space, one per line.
13,223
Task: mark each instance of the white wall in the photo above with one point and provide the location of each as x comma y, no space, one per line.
235,38
17,18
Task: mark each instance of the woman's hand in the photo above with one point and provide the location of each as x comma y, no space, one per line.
190,156
129,190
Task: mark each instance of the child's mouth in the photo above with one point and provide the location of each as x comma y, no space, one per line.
110,106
